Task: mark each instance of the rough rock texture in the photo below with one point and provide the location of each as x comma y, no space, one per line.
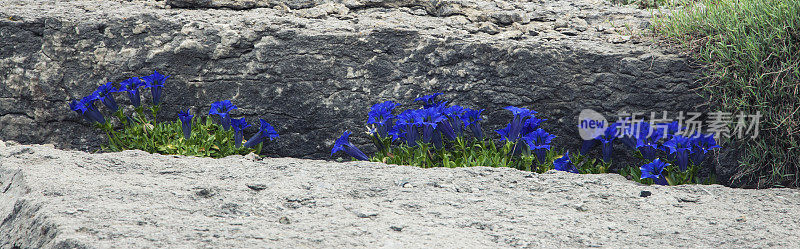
70,199
313,67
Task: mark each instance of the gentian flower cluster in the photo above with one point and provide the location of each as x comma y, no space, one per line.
434,123
87,109
440,131
523,123
105,94
657,143
140,133
223,109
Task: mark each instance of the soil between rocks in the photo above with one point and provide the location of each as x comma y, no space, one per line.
51,198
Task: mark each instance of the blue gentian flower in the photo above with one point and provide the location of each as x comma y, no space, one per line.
132,87
564,164
380,114
238,127
105,93
531,124
701,145
186,123
264,132
91,111
222,109
155,82
607,140
471,119
343,144
654,170
428,100
647,141
504,133
406,127
680,146
78,107
87,108
452,127
447,129
513,130
539,142
429,118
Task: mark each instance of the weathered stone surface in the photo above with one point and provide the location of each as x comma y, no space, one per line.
313,70
70,199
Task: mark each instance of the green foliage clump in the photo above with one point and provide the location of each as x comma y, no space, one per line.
463,152
190,135
208,139
750,51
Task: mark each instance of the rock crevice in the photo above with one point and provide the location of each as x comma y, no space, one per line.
314,76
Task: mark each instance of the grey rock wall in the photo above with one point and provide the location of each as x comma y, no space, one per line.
313,70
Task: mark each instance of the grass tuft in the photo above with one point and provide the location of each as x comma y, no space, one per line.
750,52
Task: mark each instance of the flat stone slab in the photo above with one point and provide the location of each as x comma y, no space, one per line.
51,198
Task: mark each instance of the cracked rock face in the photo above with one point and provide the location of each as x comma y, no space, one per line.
313,68
51,198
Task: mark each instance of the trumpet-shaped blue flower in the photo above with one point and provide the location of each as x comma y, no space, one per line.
428,100
186,123
343,144
701,145
504,133
264,132
520,112
223,109
452,127
539,142
155,82
380,114
531,124
471,119
238,128
647,141
654,170
131,86
105,94
680,146
406,127
564,164
429,118
513,130
87,109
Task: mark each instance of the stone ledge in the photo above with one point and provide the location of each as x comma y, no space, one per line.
70,199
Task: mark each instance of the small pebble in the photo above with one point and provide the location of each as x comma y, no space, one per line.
257,187
645,193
